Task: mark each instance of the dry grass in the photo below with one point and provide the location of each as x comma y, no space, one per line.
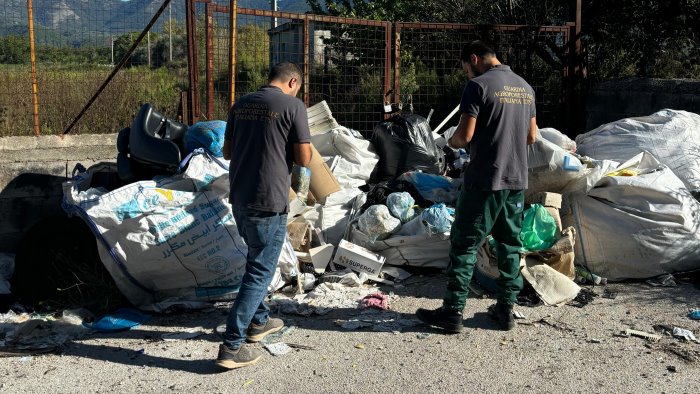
63,92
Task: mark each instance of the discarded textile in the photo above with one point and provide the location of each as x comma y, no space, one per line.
376,300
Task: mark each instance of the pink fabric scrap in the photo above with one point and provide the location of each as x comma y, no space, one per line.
376,300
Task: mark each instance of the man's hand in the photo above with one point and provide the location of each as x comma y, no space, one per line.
464,133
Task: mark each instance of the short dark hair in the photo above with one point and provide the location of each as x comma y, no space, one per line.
478,48
284,71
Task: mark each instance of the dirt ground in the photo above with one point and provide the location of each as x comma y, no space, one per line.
555,349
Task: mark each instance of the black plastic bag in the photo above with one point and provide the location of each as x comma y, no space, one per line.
405,143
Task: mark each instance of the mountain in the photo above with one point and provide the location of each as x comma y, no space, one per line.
84,21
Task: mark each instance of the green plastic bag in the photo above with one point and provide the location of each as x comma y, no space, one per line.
539,229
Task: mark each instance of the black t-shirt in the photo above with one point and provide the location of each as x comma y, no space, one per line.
262,129
503,105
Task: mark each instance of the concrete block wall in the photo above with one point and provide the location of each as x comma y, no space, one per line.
32,170
630,97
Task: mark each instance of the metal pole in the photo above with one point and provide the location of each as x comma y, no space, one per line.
32,58
119,66
148,48
306,60
111,39
170,31
209,35
233,8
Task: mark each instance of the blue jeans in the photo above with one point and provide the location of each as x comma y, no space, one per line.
264,233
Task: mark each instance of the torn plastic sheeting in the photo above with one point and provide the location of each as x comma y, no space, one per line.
684,334
26,334
672,136
436,188
323,299
551,168
558,138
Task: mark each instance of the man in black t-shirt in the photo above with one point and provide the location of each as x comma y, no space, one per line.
267,131
497,123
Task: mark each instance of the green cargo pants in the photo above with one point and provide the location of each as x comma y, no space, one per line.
478,213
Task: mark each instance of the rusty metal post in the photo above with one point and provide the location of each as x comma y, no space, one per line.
306,61
387,59
233,10
209,21
32,58
192,66
570,79
397,64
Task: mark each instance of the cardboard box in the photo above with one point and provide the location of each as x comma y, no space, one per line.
358,258
546,199
323,182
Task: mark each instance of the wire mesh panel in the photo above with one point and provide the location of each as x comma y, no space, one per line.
77,46
430,75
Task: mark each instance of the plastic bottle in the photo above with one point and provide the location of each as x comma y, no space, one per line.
583,275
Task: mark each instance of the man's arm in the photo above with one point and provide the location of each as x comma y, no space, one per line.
302,154
532,134
464,132
226,150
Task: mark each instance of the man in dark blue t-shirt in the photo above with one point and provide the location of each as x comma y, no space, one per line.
497,123
267,131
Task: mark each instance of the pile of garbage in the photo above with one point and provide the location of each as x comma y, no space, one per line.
617,203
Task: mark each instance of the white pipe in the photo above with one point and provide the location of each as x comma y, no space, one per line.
447,119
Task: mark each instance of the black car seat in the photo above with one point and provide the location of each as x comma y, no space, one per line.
153,145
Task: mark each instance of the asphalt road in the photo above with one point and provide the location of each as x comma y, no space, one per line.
555,349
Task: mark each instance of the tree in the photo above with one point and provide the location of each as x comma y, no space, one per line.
14,49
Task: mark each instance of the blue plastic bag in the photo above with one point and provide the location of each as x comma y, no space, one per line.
122,319
437,218
208,135
400,205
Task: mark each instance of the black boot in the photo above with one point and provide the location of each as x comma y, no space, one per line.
449,320
503,314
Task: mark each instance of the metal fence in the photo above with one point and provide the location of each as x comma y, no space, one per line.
76,48
184,65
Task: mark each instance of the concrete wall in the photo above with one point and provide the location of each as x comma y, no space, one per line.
630,97
32,170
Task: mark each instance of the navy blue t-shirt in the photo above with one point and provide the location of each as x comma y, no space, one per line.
503,105
262,129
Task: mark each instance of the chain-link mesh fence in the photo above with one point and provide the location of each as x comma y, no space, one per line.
354,65
77,45
431,76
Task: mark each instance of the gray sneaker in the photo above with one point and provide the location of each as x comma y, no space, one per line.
257,333
241,357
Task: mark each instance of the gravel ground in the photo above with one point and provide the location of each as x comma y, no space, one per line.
555,349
